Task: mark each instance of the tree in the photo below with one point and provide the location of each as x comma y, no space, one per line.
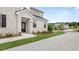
50,28
75,26
70,24
61,26
52,25
78,23
56,28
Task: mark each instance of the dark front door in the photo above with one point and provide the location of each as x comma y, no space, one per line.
23,26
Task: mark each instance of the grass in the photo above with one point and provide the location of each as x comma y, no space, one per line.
12,44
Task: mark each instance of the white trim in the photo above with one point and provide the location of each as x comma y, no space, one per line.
24,10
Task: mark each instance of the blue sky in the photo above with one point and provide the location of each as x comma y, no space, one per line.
61,14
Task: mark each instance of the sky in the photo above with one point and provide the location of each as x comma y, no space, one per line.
60,14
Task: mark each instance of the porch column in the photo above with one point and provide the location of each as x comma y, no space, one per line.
31,25
19,24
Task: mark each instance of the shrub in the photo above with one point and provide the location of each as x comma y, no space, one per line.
1,35
55,28
38,32
19,33
8,35
33,32
45,32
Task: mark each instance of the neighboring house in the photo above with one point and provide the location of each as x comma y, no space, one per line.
56,24
66,26
21,19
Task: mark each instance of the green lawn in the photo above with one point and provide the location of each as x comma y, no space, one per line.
28,40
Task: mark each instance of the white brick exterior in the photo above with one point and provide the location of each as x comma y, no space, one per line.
14,18
11,18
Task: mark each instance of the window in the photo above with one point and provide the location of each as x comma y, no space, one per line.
44,25
34,25
3,20
0,20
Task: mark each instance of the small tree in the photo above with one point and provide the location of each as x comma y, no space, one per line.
61,26
75,26
56,28
50,28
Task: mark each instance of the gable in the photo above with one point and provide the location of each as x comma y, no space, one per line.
24,13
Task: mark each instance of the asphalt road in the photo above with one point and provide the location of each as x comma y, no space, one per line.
65,42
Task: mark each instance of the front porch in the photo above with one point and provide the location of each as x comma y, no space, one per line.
24,22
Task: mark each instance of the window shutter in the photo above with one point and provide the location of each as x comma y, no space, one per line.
3,20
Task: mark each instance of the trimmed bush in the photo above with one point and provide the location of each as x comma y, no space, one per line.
38,32
8,35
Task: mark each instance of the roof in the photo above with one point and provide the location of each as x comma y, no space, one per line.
39,17
36,9
31,13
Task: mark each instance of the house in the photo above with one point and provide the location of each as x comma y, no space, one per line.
58,24
21,19
66,26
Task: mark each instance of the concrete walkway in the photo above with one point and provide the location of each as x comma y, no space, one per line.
66,42
24,35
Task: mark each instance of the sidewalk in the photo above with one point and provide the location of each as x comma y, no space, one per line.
16,38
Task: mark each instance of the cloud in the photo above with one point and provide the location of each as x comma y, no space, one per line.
76,10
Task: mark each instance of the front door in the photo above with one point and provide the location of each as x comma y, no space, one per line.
23,27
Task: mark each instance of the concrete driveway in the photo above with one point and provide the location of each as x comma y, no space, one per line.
66,42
